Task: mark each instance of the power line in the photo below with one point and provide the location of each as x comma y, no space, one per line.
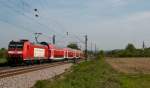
42,5
22,27
16,25
26,16
63,27
30,18
67,31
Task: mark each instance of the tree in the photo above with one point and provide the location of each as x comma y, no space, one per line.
73,46
3,49
130,51
3,53
130,47
101,53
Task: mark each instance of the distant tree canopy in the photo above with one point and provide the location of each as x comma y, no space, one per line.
129,51
73,46
101,53
130,47
3,53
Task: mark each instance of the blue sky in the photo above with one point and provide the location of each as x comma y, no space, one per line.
111,24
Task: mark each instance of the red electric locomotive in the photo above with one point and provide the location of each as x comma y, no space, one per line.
25,51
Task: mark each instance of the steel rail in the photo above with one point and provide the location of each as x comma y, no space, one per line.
14,72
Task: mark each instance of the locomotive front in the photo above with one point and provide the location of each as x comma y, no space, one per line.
15,51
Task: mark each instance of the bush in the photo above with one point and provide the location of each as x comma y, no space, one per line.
3,53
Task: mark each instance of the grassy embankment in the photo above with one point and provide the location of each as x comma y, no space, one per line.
96,74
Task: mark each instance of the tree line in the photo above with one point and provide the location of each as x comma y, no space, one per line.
129,51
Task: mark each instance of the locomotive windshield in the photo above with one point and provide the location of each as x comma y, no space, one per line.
16,45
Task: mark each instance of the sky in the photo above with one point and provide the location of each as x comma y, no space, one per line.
110,24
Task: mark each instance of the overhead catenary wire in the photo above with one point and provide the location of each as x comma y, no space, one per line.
62,27
46,19
19,11
16,25
30,18
66,31
20,27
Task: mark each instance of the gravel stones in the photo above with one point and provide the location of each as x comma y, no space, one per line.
27,80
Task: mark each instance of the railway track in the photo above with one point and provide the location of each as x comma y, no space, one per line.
3,68
22,70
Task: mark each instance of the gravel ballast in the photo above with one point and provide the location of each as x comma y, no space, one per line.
27,80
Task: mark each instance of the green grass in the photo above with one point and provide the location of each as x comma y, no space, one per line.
95,74
135,81
3,60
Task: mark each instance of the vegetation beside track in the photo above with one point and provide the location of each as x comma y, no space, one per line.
3,60
3,56
129,51
95,74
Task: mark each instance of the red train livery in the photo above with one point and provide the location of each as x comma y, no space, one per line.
25,51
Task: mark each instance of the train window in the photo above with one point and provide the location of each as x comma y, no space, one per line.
19,46
12,46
